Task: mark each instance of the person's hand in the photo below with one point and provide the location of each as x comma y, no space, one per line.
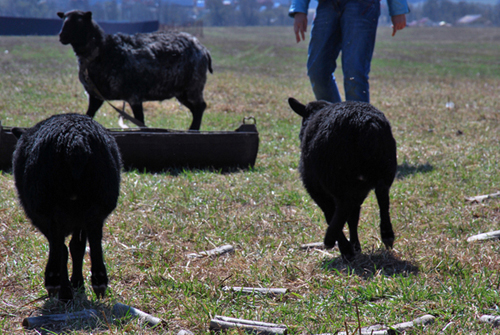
398,23
300,26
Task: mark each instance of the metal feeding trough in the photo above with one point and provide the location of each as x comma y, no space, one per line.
158,149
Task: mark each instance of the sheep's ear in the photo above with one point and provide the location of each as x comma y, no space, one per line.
297,107
87,16
18,132
60,14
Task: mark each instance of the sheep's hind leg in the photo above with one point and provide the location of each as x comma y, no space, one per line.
138,111
56,271
335,233
325,202
382,193
77,249
353,228
197,108
99,276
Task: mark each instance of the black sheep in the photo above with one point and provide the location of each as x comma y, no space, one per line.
347,149
67,175
136,68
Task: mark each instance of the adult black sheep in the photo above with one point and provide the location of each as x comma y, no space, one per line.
137,68
347,149
67,175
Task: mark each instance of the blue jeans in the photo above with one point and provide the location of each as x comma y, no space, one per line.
349,26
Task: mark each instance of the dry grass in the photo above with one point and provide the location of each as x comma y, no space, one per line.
444,155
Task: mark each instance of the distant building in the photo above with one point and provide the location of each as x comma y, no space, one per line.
473,20
469,19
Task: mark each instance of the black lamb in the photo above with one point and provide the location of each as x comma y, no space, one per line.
347,149
136,68
67,175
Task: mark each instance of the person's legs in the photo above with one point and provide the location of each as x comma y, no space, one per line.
359,28
324,49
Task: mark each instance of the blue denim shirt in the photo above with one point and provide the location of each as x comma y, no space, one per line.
396,7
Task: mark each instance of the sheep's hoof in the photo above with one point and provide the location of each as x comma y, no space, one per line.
329,241
65,294
52,290
100,290
329,244
388,242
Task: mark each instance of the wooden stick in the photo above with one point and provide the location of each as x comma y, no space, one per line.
314,245
395,329
261,328
39,321
121,310
253,290
214,252
485,236
420,321
480,198
491,319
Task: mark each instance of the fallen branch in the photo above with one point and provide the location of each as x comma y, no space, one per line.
260,328
121,310
491,319
485,236
392,330
480,198
253,290
420,321
39,321
214,252
314,245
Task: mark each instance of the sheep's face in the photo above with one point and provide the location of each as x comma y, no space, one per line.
306,111
76,27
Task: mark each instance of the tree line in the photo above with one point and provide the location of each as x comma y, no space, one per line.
449,11
228,13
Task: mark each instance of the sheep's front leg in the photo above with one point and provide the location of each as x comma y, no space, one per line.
56,271
382,193
94,105
77,249
99,276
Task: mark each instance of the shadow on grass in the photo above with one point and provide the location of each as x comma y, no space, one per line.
80,314
367,265
84,315
174,172
56,317
405,170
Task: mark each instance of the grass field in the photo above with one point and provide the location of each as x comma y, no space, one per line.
444,155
